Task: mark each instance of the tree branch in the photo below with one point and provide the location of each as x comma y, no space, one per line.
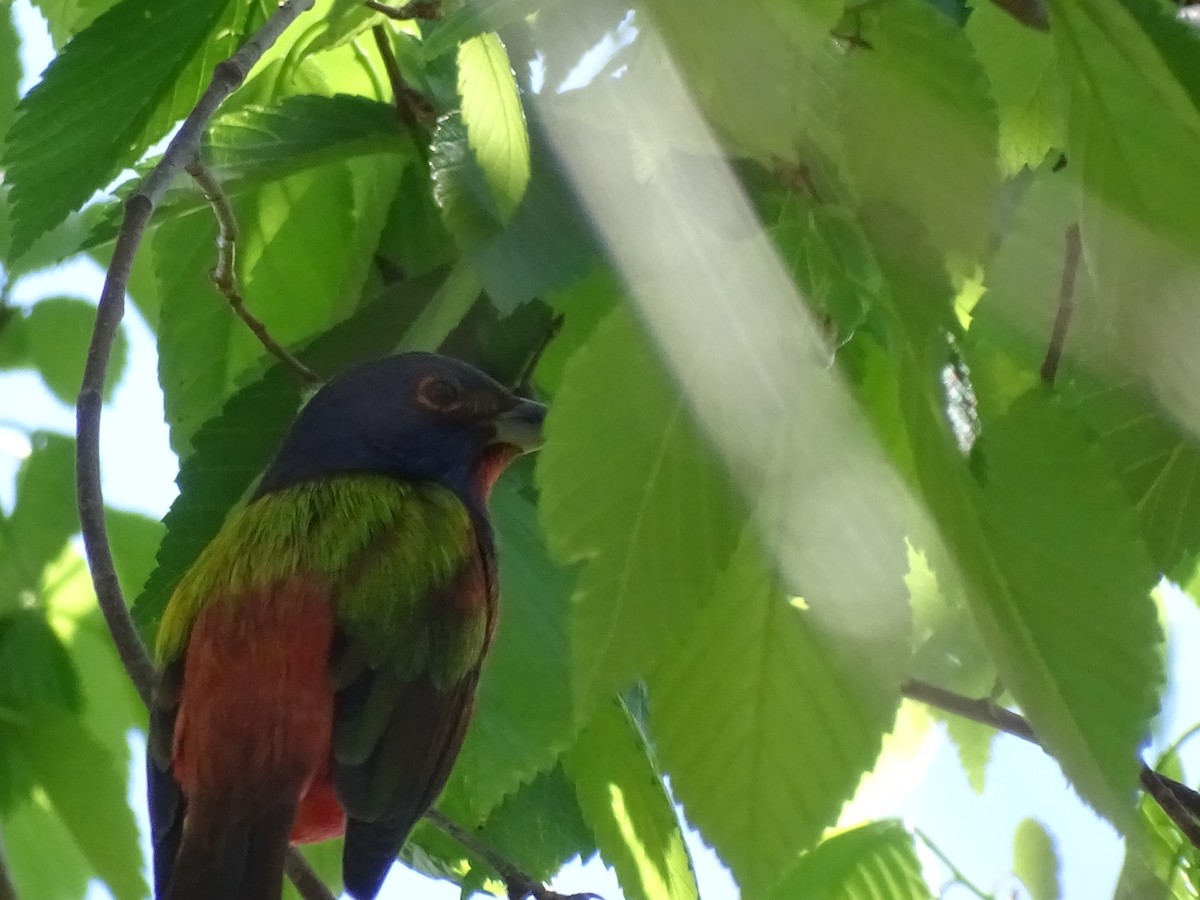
524,382
517,883
412,107
224,273
227,76
1180,803
1066,306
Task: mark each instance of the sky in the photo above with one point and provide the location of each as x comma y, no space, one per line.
928,789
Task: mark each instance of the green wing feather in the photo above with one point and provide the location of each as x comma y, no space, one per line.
381,545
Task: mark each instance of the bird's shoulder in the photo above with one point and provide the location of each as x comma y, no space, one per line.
378,545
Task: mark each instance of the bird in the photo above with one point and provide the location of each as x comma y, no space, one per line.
318,662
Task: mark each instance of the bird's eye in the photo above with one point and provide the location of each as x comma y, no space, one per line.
438,394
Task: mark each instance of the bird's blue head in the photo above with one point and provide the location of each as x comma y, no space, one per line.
414,416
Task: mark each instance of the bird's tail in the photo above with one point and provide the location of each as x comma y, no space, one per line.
232,860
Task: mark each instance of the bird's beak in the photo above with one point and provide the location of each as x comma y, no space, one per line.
520,425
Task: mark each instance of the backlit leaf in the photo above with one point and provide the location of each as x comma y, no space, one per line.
630,489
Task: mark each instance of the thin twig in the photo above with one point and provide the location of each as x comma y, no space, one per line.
412,107
383,44
308,884
224,273
227,76
418,9
1066,306
956,874
536,352
1180,803
516,883
985,712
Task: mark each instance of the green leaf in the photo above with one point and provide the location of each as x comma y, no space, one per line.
135,539
630,488
874,862
86,118
1028,90
828,258
1045,485
517,733
36,672
754,73
495,122
256,145
460,188
1156,458
204,350
10,70
68,17
1121,59
624,801
39,851
766,720
1054,568
468,20
111,706
301,131
547,242
540,826
916,102
59,330
974,745
86,790
1035,861
42,520
231,449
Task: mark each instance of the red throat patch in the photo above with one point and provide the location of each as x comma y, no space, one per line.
491,465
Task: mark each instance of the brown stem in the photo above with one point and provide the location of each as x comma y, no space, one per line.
1066,306
412,107
395,77
1180,803
224,273
517,884
227,76
524,381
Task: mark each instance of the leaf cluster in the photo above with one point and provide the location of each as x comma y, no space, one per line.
835,404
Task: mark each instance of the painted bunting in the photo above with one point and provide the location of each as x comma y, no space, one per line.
319,659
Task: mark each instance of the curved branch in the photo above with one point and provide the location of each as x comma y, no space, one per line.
224,273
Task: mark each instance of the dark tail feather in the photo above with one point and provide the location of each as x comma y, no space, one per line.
227,861
369,852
